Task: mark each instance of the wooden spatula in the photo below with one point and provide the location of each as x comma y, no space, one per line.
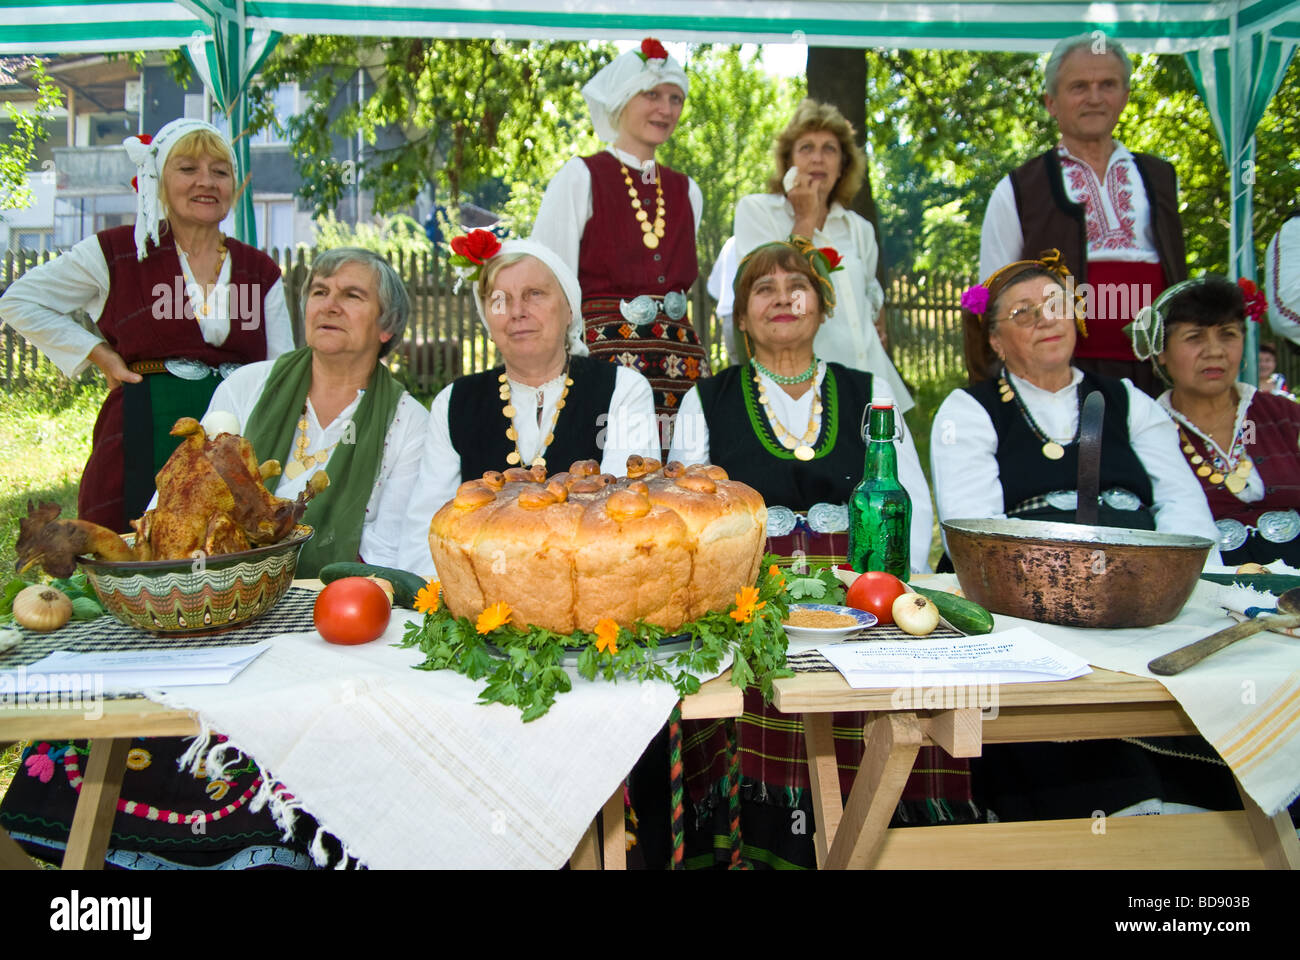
1184,657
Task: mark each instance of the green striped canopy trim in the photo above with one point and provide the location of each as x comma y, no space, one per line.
763,429
312,17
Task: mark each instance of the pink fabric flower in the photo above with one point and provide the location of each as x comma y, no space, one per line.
40,765
976,299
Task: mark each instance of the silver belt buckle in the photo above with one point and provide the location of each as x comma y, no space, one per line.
1279,526
1062,499
675,304
780,521
829,517
187,369
1232,534
640,309
1120,499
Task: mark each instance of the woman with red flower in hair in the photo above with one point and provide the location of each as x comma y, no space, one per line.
177,307
626,226
819,170
548,403
1240,441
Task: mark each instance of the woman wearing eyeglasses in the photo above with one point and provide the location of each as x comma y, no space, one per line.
1007,445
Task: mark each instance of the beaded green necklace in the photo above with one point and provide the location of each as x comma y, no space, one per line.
787,381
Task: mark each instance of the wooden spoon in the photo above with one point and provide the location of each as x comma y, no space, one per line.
1184,657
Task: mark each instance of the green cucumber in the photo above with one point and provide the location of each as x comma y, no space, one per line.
405,584
967,616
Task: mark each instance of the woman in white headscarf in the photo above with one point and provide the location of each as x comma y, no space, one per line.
626,226
549,403
177,306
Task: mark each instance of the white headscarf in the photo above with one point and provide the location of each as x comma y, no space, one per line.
567,279
622,79
150,157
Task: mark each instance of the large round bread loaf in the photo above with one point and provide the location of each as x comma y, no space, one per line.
664,545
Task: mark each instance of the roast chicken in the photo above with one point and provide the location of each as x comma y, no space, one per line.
211,500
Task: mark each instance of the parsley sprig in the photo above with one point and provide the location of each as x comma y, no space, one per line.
524,670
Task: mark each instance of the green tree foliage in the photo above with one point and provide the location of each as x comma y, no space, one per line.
948,125
389,236
18,155
470,112
945,127
724,141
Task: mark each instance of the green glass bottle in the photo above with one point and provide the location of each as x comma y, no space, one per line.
880,511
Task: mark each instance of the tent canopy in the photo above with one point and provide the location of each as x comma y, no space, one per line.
1162,26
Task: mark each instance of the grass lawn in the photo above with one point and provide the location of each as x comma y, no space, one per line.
928,397
45,432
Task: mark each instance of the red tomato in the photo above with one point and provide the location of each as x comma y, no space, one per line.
352,610
875,592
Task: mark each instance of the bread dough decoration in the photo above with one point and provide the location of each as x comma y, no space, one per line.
664,544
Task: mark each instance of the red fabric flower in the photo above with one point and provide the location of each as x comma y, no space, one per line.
134,185
832,256
1256,302
145,139
652,49
477,246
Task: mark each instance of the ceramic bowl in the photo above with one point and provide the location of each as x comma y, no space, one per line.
198,595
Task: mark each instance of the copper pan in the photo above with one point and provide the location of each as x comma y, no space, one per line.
1075,575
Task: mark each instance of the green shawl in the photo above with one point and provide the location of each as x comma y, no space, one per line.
336,514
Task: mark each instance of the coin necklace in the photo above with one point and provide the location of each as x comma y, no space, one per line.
1216,471
202,311
1050,448
515,457
802,446
300,461
651,232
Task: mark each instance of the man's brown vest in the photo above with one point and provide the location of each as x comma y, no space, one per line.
1062,224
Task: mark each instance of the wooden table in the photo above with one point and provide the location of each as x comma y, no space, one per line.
110,735
1101,705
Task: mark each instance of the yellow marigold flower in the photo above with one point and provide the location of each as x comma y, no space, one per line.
747,603
426,601
497,615
606,635
773,570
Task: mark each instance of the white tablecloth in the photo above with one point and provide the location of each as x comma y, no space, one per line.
1245,699
410,771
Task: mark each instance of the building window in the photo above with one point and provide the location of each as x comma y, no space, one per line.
286,106
285,98
31,241
273,219
76,218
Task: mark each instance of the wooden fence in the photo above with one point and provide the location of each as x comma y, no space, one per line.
444,338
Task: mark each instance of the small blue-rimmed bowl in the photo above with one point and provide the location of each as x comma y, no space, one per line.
861,620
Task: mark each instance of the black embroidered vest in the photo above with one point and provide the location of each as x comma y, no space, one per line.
1025,473
478,428
742,442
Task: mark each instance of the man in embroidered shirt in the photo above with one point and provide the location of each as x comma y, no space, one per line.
1112,214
